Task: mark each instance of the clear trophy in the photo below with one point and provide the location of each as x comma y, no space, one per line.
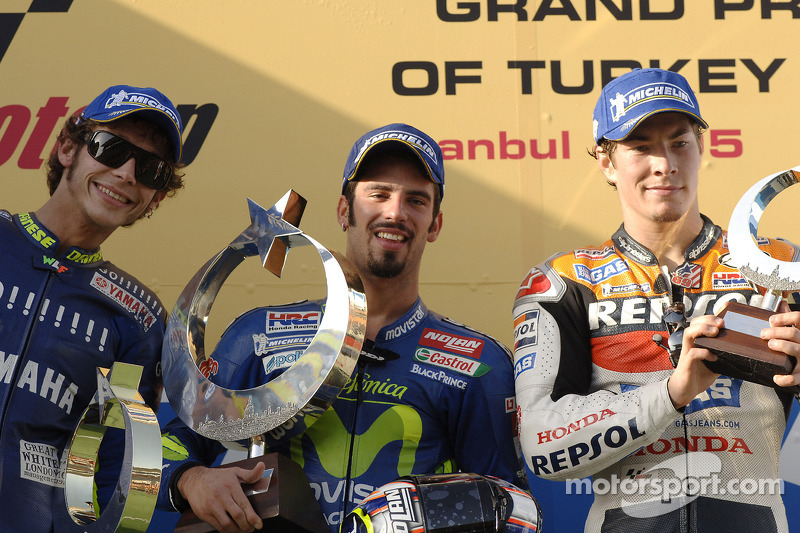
117,404
282,497
741,351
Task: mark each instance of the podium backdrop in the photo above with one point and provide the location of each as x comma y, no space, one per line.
277,91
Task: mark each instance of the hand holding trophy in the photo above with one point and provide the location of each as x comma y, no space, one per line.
741,351
268,417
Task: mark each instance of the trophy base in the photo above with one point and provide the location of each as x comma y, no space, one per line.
284,501
742,352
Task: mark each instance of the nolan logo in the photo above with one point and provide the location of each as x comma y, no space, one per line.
451,343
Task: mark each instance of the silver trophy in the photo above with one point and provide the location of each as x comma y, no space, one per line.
741,351
268,417
117,404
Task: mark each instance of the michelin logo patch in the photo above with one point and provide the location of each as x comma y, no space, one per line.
621,104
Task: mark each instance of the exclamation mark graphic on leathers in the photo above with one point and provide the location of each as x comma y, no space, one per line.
13,297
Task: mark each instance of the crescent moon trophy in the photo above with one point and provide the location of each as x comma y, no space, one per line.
267,417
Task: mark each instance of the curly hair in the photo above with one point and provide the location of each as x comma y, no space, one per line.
76,133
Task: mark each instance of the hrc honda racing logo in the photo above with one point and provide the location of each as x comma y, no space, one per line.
291,321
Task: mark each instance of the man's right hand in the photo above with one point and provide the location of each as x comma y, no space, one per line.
216,496
692,376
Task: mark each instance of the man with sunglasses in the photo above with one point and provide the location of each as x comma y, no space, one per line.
669,449
64,309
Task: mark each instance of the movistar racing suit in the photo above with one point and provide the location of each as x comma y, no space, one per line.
592,392
61,317
431,396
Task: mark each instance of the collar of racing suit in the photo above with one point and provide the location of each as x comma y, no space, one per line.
636,252
41,237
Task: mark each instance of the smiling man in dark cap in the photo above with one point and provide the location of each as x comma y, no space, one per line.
429,395
64,309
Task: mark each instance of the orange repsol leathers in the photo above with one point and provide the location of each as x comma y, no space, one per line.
592,392
61,317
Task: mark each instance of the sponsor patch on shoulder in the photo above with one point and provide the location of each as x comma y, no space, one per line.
291,321
729,280
543,283
600,273
127,300
440,340
524,363
594,253
456,363
526,329
630,288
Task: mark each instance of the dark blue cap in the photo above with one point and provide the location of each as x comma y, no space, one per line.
400,136
122,100
636,95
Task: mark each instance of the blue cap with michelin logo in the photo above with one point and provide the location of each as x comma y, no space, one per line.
400,136
122,100
636,95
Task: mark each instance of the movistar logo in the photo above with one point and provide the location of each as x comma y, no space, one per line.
399,423
385,388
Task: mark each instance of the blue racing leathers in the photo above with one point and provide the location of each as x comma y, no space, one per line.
430,395
61,317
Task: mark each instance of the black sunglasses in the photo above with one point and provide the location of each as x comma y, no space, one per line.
113,151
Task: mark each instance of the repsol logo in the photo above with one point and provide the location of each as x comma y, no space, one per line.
16,118
533,11
583,452
640,310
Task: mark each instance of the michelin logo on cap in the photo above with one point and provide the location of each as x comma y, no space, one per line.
621,104
143,100
400,136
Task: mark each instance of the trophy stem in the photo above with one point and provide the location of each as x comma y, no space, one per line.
772,299
257,446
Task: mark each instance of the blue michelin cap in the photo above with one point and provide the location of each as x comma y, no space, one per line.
400,136
122,100
636,95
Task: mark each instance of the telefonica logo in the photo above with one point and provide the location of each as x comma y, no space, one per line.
10,22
